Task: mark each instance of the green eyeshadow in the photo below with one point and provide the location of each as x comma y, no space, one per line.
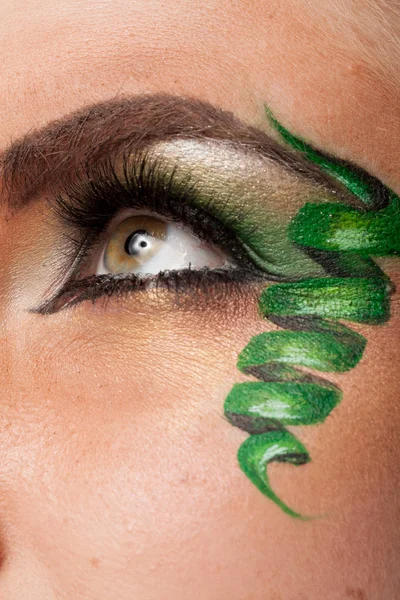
253,196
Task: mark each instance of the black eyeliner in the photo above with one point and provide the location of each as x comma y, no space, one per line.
183,281
87,207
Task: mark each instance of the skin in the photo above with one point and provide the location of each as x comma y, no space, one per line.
119,479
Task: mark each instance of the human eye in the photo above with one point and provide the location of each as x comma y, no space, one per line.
147,244
211,204
133,227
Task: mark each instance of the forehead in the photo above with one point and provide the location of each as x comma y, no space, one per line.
302,57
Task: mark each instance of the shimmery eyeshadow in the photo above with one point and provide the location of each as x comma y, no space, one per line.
253,196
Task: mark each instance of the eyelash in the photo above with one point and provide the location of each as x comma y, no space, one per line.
87,207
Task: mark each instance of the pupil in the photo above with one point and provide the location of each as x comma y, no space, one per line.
135,242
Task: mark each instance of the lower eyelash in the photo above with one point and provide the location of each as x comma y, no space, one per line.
183,281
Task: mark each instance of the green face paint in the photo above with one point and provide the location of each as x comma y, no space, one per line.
342,239
317,236
355,299
365,187
326,347
259,450
289,403
335,227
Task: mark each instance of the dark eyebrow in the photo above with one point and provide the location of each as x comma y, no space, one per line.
48,158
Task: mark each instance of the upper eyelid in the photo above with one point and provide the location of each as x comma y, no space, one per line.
49,158
79,208
90,174
118,177
291,163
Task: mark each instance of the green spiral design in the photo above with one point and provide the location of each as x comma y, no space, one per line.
342,239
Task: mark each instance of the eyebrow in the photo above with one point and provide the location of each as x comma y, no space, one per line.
49,158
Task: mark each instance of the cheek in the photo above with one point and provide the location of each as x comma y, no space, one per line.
118,465
123,454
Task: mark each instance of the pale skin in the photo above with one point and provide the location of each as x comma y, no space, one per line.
118,474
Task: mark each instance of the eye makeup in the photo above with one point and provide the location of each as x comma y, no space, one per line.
185,160
252,195
88,207
223,174
229,196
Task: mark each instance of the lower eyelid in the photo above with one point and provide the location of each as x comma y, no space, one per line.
185,282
